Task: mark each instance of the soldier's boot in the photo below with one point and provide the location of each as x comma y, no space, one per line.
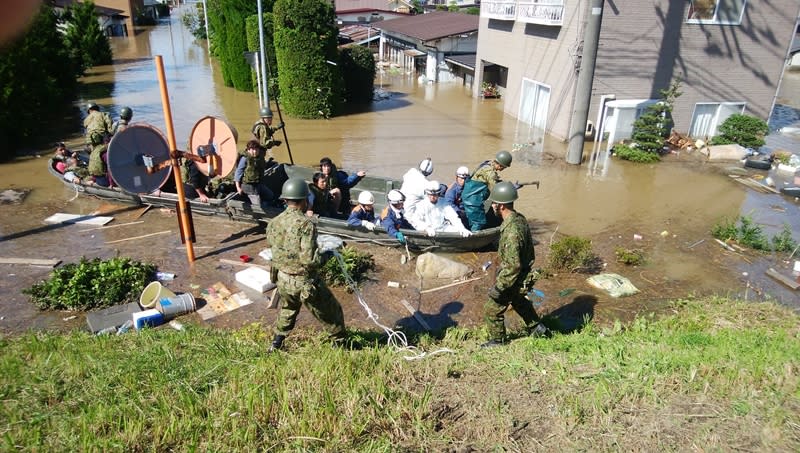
492,344
540,331
277,343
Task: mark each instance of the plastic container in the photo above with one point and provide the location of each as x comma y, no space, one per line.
152,293
181,304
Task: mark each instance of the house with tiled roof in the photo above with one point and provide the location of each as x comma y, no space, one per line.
350,12
423,43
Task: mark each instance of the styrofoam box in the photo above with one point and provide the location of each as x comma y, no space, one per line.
147,318
254,278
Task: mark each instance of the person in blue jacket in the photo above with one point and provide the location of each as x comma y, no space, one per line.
453,194
393,216
363,215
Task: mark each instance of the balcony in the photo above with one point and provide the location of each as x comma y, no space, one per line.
543,12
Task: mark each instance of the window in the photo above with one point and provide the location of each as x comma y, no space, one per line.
716,12
708,116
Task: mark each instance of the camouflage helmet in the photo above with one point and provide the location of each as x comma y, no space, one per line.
92,106
503,158
294,189
265,112
503,193
126,113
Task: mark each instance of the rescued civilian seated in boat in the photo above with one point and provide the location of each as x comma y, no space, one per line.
434,215
77,173
339,184
393,216
249,175
363,215
320,200
453,194
414,182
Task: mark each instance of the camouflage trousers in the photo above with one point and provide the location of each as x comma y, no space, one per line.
297,290
494,311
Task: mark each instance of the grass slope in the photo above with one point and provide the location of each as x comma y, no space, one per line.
715,375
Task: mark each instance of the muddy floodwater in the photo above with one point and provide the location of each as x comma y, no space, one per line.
667,210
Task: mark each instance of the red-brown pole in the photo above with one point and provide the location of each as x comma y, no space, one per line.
183,211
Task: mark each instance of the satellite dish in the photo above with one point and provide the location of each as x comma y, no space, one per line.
126,154
221,137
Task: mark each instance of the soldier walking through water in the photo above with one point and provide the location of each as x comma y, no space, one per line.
295,267
515,274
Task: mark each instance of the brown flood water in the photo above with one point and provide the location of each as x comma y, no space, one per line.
672,205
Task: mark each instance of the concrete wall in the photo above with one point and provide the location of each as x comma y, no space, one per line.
545,54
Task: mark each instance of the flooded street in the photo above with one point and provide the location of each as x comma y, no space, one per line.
672,205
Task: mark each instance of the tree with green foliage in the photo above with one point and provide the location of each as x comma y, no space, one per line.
305,45
745,130
226,18
37,82
357,65
651,129
87,43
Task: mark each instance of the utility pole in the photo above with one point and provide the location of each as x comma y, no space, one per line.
583,90
263,54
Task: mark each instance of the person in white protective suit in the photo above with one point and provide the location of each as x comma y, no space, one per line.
435,215
414,182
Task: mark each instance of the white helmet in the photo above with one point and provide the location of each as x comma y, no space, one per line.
395,196
426,166
462,172
432,188
366,197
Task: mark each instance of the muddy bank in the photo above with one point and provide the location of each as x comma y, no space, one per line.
682,260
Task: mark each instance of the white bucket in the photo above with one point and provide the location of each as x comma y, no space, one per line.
178,305
153,293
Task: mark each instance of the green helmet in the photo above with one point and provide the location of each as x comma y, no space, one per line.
92,106
265,112
503,193
294,189
503,158
126,113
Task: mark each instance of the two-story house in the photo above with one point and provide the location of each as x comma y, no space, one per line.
730,55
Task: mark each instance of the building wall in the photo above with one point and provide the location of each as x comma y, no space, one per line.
130,8
645,45
545,54
642,46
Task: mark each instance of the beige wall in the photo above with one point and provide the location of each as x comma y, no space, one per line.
639,54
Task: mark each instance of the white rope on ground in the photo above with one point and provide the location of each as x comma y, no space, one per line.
395,339
78,190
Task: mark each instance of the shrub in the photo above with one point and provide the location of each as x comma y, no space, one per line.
783,241
357,66
87,42
573,254
747,233
226,18
91,284
305,43
745,130
630,257
634,154
254,44
356,264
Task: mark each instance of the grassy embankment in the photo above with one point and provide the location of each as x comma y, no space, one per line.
716,375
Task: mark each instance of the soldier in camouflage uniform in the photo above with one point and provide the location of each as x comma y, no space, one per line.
515,273
479,186
249,175
263,130
125,115
295,265
98,125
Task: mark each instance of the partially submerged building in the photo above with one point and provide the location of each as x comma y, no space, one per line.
422,44
730,55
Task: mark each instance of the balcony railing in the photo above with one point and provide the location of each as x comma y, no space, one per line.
499,9
544,12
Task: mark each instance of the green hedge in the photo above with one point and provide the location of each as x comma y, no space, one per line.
253,45
305,41
226,18
357,66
